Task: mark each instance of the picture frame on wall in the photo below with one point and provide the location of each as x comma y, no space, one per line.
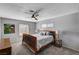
9,28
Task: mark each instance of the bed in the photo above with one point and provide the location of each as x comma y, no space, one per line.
37,42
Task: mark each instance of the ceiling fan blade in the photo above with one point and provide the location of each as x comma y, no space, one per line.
28,13
37,11
31,11
36,15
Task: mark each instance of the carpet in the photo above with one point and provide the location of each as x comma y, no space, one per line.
19,49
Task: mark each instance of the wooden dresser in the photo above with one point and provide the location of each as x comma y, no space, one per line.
5,46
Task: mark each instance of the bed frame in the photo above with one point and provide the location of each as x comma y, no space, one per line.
31,42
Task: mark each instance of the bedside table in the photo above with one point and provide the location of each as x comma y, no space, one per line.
58,43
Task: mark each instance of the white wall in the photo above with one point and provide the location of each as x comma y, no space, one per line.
77,22
15,36
0,28
63,23
67,23
68,26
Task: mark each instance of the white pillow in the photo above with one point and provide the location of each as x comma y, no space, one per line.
47,33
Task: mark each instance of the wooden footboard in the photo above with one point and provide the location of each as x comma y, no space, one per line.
30,41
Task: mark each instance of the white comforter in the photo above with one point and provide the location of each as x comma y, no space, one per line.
43,40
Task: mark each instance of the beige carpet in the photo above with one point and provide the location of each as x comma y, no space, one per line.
19,49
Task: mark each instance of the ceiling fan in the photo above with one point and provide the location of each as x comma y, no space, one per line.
34,13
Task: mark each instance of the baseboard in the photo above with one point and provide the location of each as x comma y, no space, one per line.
70,48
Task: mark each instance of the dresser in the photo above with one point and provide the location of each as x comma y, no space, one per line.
5,46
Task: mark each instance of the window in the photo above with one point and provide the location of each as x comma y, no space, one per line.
23,28
50,25
44,26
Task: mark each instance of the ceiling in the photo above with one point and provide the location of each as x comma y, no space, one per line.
49,10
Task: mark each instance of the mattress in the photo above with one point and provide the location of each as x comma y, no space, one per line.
43,40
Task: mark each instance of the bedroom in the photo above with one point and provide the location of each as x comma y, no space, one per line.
35,17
